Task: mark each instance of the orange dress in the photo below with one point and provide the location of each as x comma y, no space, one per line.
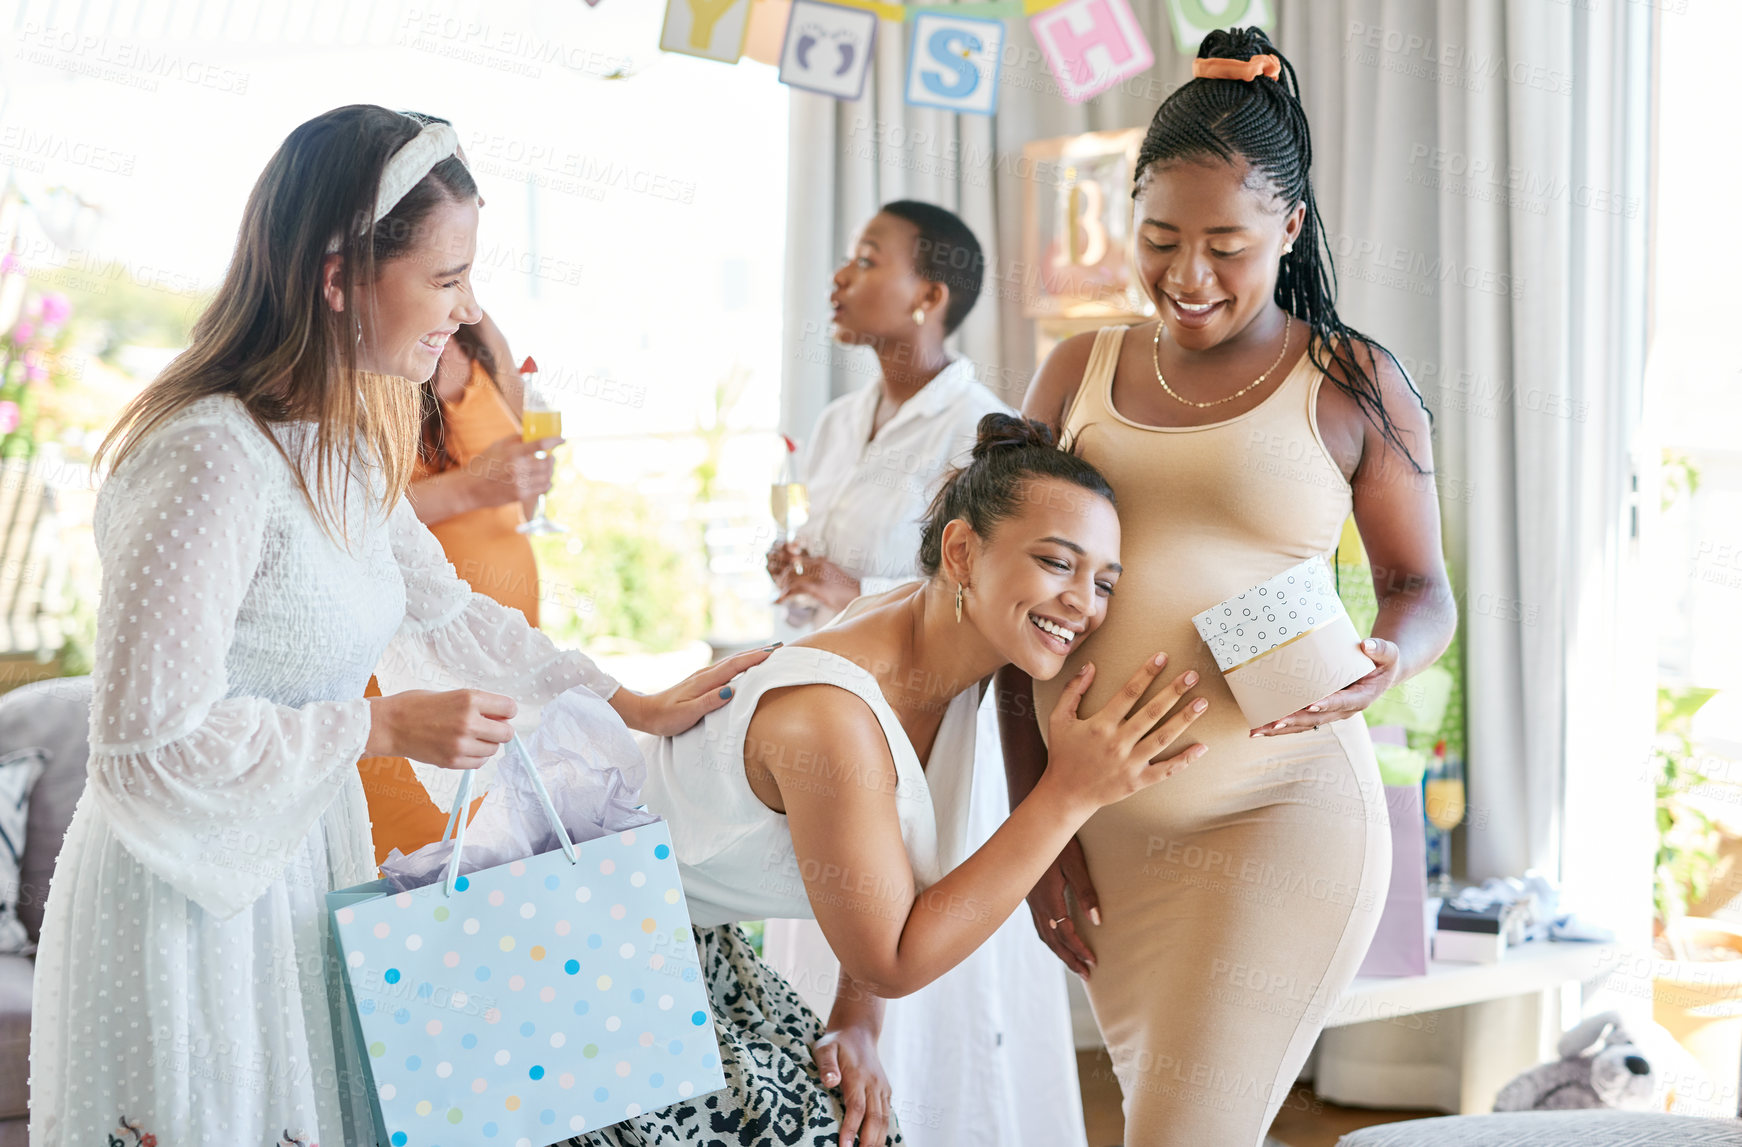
495,560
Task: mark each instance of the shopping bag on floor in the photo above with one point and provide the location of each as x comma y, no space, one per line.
1400,942
532,1000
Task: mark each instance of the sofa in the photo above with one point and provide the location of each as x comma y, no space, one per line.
1595,1128
53,716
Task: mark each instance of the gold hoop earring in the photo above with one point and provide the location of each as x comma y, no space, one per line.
919,316
958,603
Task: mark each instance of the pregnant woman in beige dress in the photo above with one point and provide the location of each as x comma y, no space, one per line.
1217,918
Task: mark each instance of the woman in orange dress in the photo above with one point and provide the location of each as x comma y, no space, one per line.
476,483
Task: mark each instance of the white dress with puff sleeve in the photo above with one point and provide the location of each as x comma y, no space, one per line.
179,981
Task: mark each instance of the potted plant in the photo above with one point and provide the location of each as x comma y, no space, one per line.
1697,980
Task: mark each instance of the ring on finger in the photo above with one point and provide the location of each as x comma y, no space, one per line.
1060,920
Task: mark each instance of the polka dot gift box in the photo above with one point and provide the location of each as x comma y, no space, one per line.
1285,643
538,999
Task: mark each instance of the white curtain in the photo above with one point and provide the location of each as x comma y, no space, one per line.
1482,171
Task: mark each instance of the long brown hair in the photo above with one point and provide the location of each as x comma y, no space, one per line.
270,339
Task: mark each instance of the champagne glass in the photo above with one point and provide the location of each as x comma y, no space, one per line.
538,419
791,506
1443,795
789,502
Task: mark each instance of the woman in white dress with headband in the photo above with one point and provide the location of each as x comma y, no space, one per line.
259,561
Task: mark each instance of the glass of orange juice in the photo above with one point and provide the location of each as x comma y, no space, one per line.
1443,796
538,419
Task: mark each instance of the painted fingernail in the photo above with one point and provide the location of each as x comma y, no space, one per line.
1095,919
1200,705
1190,679
772,648
726,693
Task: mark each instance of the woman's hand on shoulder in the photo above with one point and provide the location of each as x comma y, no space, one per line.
1055,383
674,710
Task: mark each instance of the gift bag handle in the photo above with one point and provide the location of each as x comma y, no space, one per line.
457,818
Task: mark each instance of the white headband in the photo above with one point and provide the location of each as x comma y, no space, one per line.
407,166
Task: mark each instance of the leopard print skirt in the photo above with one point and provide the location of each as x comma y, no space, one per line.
773,1096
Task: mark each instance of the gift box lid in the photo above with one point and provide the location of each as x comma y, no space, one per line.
1271,614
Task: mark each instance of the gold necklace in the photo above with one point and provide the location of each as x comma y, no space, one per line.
1287,321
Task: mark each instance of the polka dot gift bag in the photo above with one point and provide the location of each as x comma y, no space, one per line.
1284,643
528,1001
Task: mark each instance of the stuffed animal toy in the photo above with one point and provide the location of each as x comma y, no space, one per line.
1600,1066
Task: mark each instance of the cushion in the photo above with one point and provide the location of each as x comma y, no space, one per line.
1594,1128
18,772
54,716
15,976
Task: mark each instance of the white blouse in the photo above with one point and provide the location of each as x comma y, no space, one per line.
182,946
869,495
735,853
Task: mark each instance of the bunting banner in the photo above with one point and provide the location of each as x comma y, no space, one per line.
955,50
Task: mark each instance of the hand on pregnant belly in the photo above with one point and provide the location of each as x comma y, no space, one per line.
1113,753
1106,756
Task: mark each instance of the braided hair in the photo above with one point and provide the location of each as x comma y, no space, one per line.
1262,122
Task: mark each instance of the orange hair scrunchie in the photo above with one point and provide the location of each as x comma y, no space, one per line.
1225,69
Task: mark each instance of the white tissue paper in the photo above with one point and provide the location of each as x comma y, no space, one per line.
590,765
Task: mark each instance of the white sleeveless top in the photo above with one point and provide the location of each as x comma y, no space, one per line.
735,853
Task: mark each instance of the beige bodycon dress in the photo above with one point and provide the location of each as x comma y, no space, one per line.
1238,897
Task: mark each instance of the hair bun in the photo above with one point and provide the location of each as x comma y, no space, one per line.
1006,431
1236,44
